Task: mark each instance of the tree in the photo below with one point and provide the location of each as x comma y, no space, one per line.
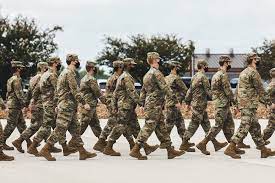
21,39
267,54
170,47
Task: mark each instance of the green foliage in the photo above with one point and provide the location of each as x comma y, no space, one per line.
267,54
170,47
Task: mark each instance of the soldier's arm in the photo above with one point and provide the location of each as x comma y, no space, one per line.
74,89
188,97
35,93
258,85
182,87
19,93
206,87
53,82
2,104
131,90
227,89
96,90
142,96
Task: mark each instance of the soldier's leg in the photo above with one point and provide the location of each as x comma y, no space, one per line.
220,117
196,119
3,157
134,124
85,119
162,133
255,130
270,128
12,120
179,121
95,124
1,138
169,119
36,122
21,125
229,126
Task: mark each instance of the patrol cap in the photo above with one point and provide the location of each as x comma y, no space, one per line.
128,61
272,72
53,60
250,56
152,55
173,63
42,65
71,57
17,64
91,63
224,58
201,63
118,63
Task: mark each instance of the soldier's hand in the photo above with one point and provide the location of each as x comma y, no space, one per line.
87,107
56,109
188,107
178,105
25,109
141,110
273,106
236,110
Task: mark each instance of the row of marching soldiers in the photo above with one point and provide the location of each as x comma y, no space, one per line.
54,100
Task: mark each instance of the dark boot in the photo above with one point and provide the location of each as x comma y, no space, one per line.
108,150
131,143
149,149
202,146
7,148
185,145
18,144
55,150
219,145
266,152
100,145
231,151
4,157
45,152
172,153
29,143
243,145
83,154
33,148
135,153
239,151
72,146
67,150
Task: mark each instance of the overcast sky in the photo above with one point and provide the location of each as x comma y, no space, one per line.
215,24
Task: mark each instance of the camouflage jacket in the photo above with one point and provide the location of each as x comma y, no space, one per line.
110,88
125,95
15,95
250,89
222,94
155,89
90,90
31,97
67,90
198,92
46,88
177,85
2,104
271,92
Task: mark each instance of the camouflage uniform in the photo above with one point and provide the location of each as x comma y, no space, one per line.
223,97
2,106
250,92
269,130
68,99
16,101
91,93
173,114
36,103
152,96
197,97
125,99
47,90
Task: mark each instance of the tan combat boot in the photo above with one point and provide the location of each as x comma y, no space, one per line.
100,145
219,145
266,152
7,148
172,153
83,154
33,148
239,151
149,149
230,151
55,150
242,145
135,153
131,143
4,157
18,144
45,152
72,146
29,142
67,150
202,146
185,146
108,150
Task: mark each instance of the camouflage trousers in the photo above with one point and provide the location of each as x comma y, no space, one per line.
123,125
1,138
154,122
15,119
66,120
249,123
199,117
36,122
49,121
270,128
173,118
223,121
89,118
